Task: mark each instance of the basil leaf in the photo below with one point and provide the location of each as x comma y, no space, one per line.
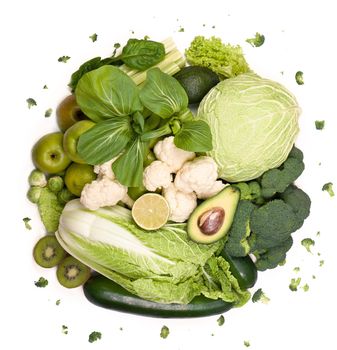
142,54
162,94
105,140
128,168
194,136
107,92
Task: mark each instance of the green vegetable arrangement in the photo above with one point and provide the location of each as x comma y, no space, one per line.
120,108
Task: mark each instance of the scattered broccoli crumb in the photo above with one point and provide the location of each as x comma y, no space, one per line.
58,302
307,243
181,30
64,329
257,41
45,87
296,269
41,283
294,283
305,287
93,37
48,112
31,102
319,124
259,295
246,343
299,78
93,336
27,225
164,332
318,233
328,187
321,263
63,59
120,328
313,277
221,320
146,37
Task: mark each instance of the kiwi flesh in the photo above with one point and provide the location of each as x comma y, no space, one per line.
48,252
71,273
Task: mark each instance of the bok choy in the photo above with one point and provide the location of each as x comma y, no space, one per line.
162,266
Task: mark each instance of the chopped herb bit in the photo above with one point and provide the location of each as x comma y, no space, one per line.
328,187
221,320
45,87
27,225
299,78
31,102
48,112
64,329
164,332
93,37
246,343
257,41
308,243
41,283
58,302
181,30
63,59
321,263
93,336
319,124
294,284
296,269
305,287
259,295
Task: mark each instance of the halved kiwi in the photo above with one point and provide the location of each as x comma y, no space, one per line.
48,252
72,273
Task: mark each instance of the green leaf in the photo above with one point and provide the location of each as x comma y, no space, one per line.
139,122
194,136
107,92
105,140
142,54
128,168
162,94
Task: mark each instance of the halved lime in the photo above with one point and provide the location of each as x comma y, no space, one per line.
151,211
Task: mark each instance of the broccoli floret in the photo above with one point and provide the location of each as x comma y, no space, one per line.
277,180
308,243
272,257
299,201
237,244
260,296
328,187
271,225
250,191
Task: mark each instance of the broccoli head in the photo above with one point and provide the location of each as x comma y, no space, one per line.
272,257
277,180
237,244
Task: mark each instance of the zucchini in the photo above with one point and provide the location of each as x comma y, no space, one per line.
103,292
196,81
242,268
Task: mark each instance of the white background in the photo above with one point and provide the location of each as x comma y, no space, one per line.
300,35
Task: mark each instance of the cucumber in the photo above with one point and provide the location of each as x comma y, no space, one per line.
196,81
242,268
103,292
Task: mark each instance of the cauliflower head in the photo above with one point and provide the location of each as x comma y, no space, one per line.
169,153
102,192
211,191
105,169
181,204
157,175
198,175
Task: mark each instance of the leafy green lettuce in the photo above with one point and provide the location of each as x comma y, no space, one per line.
162,266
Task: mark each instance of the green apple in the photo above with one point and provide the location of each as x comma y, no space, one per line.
48,154
68,113
71,137
77,176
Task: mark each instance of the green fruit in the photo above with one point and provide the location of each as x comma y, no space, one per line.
68,113
48,252
71,137
136,192
71,273
77,176
48,154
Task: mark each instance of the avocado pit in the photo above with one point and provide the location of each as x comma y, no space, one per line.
210,221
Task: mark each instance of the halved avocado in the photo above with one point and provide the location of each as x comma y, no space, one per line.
212,219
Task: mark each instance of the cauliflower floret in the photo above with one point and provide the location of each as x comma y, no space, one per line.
181,204
105,169
197,175
157,175
169,153
101,193
212,191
